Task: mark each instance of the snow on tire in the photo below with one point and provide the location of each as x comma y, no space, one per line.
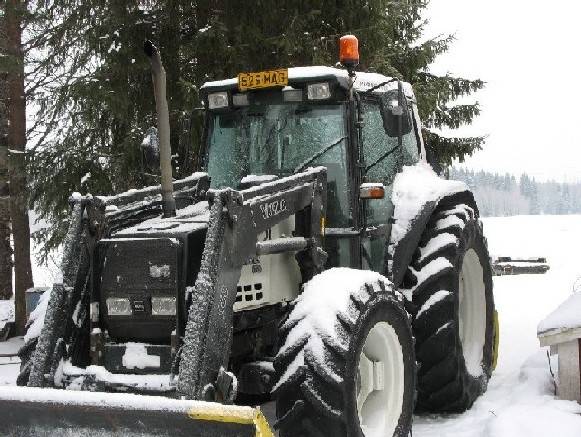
347,365
453,321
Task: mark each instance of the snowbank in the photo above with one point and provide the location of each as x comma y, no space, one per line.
520,403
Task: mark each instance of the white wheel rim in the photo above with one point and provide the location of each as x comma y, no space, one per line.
380,382
472,312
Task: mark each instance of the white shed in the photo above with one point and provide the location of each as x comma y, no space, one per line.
561,330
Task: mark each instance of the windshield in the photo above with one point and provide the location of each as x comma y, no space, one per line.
279,140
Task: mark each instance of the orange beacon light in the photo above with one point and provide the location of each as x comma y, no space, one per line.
349,51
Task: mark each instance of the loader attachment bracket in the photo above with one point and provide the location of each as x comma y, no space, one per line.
237,218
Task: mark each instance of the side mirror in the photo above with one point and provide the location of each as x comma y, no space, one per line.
394,111
371,191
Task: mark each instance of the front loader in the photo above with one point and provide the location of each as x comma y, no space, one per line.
315,259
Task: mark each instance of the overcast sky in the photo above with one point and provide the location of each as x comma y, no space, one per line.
528,52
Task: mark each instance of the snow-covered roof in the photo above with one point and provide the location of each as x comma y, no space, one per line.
363,81
566,319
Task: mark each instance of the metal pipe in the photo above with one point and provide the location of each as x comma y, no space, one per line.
281,245
159,89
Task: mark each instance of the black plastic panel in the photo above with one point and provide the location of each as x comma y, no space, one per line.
138,269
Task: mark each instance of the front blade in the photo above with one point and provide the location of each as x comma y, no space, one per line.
39,412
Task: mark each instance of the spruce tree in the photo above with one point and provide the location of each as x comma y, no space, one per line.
5,248
92,86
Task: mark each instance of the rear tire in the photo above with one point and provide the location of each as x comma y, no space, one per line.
451,281
346,369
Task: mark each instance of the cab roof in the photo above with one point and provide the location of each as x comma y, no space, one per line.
363,81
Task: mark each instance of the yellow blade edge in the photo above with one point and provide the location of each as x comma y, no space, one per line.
243,416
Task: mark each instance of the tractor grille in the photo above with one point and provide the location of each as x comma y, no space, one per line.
141,271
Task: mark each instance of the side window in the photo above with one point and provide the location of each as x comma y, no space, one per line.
380,151
411,146
376,143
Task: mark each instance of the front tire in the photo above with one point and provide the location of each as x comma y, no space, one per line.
347,366
451,281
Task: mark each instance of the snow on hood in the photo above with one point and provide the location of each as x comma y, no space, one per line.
256,179
187,219
415,186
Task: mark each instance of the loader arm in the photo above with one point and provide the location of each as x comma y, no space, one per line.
237,218
91,219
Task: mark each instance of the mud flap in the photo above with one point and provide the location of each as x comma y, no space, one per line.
48,412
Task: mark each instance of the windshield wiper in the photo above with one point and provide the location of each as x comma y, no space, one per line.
381,158
325,149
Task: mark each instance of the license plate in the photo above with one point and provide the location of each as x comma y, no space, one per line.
138,306
262,79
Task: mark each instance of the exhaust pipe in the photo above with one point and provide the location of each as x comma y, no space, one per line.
158,75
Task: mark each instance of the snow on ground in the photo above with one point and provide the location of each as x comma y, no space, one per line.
9,365
6,312
520,400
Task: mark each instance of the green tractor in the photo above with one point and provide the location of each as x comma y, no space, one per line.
315,259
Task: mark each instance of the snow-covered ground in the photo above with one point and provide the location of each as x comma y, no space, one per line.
6,312
519,400
9,365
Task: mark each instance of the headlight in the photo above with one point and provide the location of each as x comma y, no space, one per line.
291,95
240,100
218,100
163,306
318,91
118,306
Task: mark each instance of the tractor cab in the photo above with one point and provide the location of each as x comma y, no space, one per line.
363,127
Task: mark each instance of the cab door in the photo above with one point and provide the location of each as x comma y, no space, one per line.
382,160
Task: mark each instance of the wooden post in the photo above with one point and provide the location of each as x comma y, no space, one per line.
569,386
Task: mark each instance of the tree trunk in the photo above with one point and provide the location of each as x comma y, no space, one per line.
5,248
17,144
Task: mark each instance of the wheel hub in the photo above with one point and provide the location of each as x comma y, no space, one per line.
380,382
472,312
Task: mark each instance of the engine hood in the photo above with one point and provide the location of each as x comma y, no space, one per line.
187,220
156,258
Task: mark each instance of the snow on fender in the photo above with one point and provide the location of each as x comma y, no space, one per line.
413,187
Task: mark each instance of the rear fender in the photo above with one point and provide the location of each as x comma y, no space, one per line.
402,250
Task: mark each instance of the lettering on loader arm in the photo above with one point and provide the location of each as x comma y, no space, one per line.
272,209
